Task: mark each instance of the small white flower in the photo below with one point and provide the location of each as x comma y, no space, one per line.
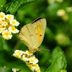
61,12
29,53
18,53
34,67
33,60
15,70
9,17
6,34
7,25
37,68
14,22
2,16
13,29
24,58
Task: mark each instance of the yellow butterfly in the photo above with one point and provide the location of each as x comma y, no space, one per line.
32,34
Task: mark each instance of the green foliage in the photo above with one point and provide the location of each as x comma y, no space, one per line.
55,54
58,61
2,3
15,4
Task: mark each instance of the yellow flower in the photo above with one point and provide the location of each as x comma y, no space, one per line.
1,21
12,29
2,16
15,69
9,17
7,25
24,58
6,34
28,53
61,12
37,68
18,53
34,67
33,60
14,22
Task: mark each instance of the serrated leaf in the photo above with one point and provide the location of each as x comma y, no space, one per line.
16,4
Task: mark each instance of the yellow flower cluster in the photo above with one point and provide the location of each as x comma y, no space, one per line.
8,25
63,14
28,58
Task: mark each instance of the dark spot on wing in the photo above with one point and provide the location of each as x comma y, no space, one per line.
40,34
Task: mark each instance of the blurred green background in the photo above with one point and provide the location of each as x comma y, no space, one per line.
55,53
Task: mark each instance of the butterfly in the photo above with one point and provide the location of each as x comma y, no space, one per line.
32,34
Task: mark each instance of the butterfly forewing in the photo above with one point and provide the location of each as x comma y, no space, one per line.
39,29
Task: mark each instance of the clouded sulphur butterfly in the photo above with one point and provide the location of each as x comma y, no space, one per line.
32,34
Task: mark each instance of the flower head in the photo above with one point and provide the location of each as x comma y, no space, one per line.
6,34
15,70
28,58
8,25
34,67
29,53
33,60
9,17
61,12
18,53
2,16
12,29
14,22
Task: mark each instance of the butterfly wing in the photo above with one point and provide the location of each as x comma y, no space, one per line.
33,34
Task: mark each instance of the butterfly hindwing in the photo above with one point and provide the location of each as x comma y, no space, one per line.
33,34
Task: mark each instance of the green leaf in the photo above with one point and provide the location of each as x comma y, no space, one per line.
58,61
16,4
2,3
3,44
